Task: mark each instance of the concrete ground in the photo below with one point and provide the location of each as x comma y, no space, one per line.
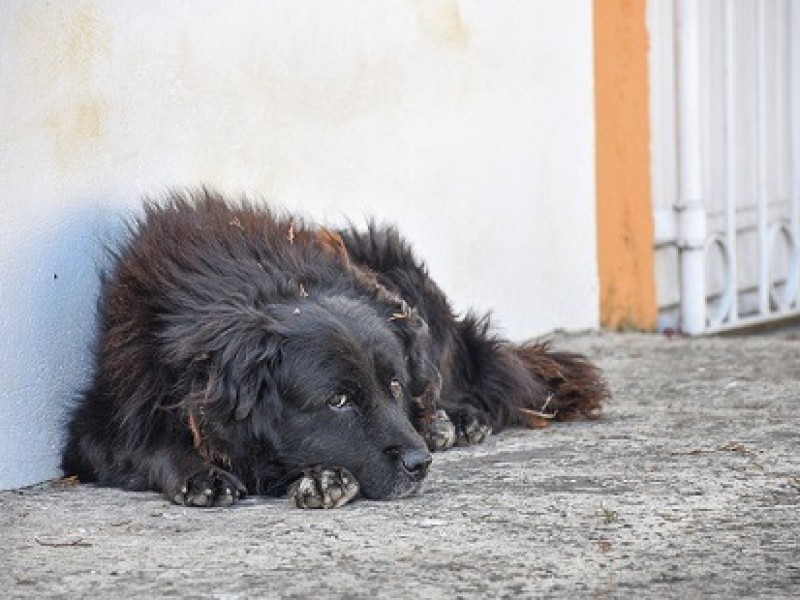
688,486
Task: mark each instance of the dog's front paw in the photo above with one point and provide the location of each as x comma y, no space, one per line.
323,488
210,487
441,432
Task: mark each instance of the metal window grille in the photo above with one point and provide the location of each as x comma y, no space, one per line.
725,116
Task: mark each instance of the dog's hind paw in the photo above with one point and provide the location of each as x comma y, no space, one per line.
462,430
210,487
472,432
441,432
320,487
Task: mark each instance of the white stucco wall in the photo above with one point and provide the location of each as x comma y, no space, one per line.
468,123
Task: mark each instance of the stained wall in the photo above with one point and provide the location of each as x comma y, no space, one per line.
470,124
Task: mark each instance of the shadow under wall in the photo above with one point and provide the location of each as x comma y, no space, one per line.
49,294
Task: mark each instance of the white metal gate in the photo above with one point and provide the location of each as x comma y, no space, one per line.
725,122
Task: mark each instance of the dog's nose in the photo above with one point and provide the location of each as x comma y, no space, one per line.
415,462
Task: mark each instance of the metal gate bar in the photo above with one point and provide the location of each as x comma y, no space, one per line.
775,148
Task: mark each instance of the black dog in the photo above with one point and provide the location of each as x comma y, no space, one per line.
244,352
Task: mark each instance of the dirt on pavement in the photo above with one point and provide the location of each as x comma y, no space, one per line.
688,485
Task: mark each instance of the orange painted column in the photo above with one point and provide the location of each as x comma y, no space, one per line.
624,208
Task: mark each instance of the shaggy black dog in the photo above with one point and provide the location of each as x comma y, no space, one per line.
243,352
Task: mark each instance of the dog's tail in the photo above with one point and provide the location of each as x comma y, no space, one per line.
529,384
575,386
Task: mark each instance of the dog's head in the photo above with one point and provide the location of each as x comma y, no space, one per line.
321,382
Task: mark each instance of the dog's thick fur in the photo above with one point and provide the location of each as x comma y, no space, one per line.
241,351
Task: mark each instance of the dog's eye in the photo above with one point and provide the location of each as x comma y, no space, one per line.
339,401
396,388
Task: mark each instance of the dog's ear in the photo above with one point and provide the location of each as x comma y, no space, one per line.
413,332
241,373
229,352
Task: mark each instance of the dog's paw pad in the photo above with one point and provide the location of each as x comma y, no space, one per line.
211,487
472,432
441,432
323,488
